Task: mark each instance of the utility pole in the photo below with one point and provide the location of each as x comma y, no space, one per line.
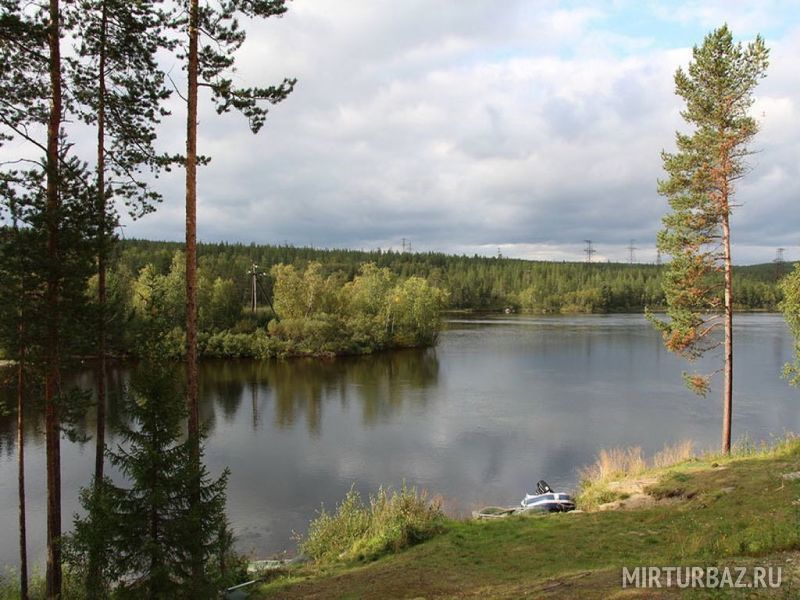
631,250
588,250
254,273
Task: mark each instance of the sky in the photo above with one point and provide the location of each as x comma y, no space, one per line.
475,126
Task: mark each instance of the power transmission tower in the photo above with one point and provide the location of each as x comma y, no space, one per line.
658,257
778,263
404,245
631,250
589,250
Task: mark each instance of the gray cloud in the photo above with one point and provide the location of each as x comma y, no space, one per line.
467,128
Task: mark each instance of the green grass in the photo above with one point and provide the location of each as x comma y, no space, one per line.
722,511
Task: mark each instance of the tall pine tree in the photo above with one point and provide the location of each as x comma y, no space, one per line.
701,179
213,36
50,192
120,92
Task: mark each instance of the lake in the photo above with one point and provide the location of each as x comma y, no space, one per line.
500,403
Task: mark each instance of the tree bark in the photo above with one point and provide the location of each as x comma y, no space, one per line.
102,295
52,358
727,388
191,235
191,229
100,429
193,425
23,538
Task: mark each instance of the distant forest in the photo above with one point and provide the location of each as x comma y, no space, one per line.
473,282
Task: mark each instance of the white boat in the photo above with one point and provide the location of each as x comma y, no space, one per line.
546,500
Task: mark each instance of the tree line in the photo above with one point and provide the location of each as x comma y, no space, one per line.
471,282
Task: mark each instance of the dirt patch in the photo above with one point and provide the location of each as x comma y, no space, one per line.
632,486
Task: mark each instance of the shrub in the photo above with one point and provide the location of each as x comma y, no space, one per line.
390,522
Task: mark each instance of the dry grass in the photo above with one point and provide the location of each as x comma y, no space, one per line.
673,455
621,463
614,463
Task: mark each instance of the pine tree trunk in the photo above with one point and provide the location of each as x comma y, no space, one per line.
100,431
52,359
191,271
191,230
99,460
23,538
727,388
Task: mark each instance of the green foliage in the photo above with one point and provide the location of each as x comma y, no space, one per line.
132,93
9,586
149,527
357,531
373,311
224,305
333,302
472,282
413,310
717,90
298,295
790,305
219,22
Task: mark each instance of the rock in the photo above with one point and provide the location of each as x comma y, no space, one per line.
791,476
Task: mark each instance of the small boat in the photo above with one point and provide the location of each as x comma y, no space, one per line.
546,500
494,512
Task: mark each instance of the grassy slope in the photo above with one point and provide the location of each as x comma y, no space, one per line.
739,512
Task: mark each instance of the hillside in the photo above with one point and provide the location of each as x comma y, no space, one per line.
713,511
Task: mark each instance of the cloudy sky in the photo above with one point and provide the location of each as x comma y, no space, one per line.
474,125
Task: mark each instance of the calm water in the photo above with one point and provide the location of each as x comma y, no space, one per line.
497,405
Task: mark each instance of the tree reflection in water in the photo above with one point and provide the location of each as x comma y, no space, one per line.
298,388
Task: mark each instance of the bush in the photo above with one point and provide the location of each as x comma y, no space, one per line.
229,344
358,531
318,334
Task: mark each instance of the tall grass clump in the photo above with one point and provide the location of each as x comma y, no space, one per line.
614,463
621,463
388,522
673,455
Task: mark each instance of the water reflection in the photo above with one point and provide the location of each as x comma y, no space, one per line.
299,389
497,405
